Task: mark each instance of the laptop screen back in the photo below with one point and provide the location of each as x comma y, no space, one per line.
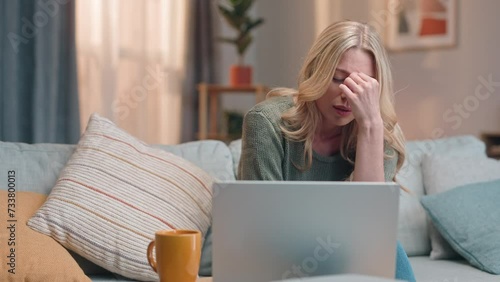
264,231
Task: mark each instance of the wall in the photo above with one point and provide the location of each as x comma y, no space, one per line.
436,89
283,42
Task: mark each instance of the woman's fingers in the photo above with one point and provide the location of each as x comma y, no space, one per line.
368,82
356,77
365,77
353,85
362,93
348,92
360,83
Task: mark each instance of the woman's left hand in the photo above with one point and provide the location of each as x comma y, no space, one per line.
363,94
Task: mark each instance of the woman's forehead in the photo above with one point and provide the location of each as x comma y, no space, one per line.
356,60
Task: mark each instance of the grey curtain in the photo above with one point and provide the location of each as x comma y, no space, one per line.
38,79
201,62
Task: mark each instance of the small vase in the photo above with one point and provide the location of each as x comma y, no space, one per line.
240,75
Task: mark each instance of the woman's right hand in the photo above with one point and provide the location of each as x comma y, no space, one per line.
363,94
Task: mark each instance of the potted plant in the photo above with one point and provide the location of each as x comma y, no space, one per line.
235,12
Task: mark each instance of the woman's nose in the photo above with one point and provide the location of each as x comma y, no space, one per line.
342,96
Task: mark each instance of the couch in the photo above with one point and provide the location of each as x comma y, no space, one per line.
38,166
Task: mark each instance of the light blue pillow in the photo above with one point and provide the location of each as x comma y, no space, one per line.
468,217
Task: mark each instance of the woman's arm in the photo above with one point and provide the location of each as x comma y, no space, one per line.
262,149
369,162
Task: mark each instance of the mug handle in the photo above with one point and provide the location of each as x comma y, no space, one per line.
151,259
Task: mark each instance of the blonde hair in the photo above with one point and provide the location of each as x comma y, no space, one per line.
300,121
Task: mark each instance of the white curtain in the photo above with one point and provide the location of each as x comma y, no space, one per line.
131,58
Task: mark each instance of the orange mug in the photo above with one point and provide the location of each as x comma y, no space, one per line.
178,254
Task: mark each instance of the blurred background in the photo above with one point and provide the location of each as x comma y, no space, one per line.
139,63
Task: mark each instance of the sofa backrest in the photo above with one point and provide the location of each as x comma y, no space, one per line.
212,156
37,166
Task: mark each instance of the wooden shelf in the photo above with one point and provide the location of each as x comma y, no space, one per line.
209,102
492,141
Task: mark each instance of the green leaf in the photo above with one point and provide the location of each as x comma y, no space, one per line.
233,20
235,12
241,7
235,3
243,43
249,25
227,40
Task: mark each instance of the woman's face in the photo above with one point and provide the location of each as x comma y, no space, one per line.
333,105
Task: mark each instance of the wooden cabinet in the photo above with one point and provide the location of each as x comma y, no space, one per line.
208,110
492,141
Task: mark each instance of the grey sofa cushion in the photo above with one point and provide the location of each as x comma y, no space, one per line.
235,148
412,223
37,166
212,156
427,270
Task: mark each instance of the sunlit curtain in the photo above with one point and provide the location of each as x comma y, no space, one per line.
132,63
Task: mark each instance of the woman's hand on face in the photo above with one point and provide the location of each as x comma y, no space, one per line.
363,94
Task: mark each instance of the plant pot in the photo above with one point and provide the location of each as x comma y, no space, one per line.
240,75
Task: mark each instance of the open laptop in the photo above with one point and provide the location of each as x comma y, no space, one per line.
275,230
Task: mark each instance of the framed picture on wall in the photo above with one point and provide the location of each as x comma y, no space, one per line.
421,24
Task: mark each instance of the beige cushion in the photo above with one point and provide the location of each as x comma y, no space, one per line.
115,192
37,256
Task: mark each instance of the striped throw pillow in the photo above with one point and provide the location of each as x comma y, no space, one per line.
115,192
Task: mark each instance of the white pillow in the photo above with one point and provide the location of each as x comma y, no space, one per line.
412,226
115,192
442,173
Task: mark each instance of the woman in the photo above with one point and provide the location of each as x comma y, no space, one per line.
339,125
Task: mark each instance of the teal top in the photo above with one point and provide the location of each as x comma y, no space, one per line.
267,155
